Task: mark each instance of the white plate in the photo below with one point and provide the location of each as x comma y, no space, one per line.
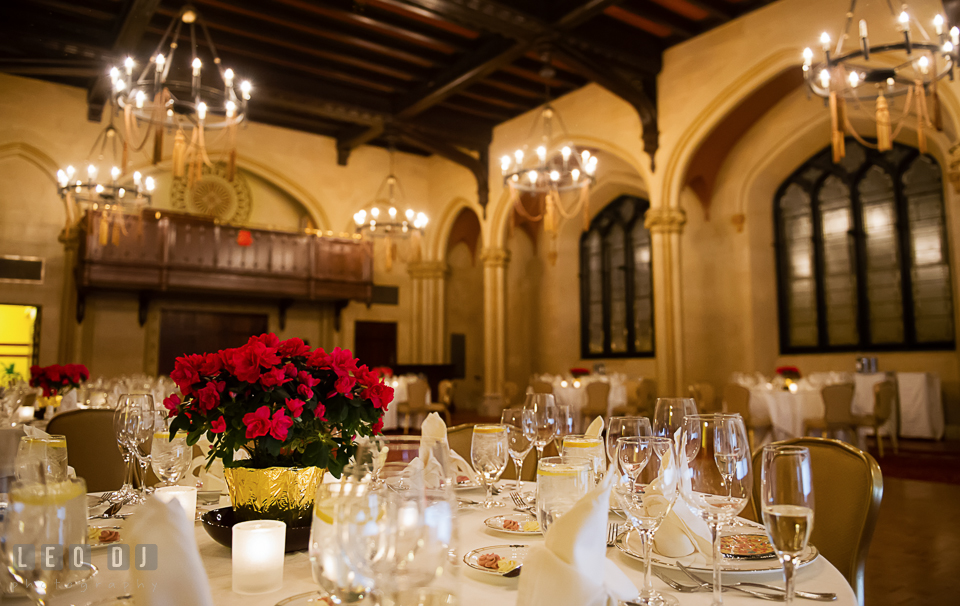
469,485
510,552
96,544
629,544
496,523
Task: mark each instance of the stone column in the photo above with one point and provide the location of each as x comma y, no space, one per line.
428,313
494,322
68,350
666,226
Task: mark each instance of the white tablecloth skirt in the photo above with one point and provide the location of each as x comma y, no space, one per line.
576,397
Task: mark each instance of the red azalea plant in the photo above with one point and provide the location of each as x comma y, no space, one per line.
579,372
286,404
55,379
788,372
383,371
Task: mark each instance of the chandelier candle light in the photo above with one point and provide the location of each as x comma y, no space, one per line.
907,63
170,93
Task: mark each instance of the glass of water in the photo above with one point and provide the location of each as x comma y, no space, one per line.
561,482
41,459
588,447
489,452
170,459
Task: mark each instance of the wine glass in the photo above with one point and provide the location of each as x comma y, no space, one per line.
561,482
489,456
669,414
46,452
134,424
787,504
707,440
646,493
521,433
588,447
623,427
566,421
170,459
44,517
545,419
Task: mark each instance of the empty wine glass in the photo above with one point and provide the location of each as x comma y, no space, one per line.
545,419
521,433
624,427
787,504
134,425
566,420
707,440
669,413
646,493
489,456
170,459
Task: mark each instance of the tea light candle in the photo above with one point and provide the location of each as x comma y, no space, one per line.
186,496
258,556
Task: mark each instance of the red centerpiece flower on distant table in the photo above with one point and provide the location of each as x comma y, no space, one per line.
56,380
789,372
579,372
286,404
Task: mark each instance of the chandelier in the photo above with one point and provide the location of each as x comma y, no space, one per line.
384,218
871,78
170,94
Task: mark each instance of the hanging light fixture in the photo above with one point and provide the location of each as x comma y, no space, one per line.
171,93
895,59
389,217
549,166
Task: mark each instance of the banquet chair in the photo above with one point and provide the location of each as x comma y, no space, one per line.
646,398
445,389
632,407
416,403
510,392
736,400
91,447
837,417
705,396
460,439
541,387
847,488
598,399
884,401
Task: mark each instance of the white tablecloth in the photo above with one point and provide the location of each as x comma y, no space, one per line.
863,398
399,385
476,589
921,405
786,410
576,397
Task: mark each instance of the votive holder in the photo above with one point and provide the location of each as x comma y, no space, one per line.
186,496
258,547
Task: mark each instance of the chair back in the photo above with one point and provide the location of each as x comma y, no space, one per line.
598,399
704,394
646,398
541,387
884,399
510,393
91,447
632,387
847,488
837,401
445,391
460,437
736,399
417,395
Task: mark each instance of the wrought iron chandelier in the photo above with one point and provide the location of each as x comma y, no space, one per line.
872,78
170,94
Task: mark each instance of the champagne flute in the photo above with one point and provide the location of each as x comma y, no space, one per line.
623,427
489,456
545,417
705,490
646,493
170,459
787,505
122,420
521,433
669,414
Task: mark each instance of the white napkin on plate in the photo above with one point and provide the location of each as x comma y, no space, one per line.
571,567
596,428
179,579
434,430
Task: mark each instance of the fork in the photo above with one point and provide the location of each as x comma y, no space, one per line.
708,587
675,585
519,502
810,595
613,531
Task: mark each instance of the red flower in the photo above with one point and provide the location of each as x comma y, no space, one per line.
320,411
273,378
377,427
185,373
258,423
292,348
171,403
268,338
340,361
380,395
280,425
307,379
248,359
53,373
211,365
344,386
209,396
218,425
304,392
295,406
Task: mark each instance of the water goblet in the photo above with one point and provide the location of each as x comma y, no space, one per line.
669,414
521,433
588,447
489,456
41,459
170,459
545,419
787,505
623,427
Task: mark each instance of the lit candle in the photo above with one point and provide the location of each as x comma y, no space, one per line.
258,556
863,28
128,65
938,24
186,496
955,36
825,41
197,64
245,88
228,78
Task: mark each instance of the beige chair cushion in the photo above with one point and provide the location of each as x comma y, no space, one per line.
598,398
91,447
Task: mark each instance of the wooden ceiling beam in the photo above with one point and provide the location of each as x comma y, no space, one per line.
635,13
129,33
352,138
420,15
72,8
314,106
534,76
51,67
718,10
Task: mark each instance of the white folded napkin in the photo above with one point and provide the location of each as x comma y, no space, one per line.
571,567
434,430
596,428
179,579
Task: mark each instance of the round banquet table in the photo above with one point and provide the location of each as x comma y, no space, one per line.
476,589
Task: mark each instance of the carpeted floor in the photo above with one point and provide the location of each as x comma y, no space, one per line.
927,461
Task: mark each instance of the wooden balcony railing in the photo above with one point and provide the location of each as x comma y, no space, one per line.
193,255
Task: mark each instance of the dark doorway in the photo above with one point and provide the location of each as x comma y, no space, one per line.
458,355
375,343
186,332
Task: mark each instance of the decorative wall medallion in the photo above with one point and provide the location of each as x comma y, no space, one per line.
213,195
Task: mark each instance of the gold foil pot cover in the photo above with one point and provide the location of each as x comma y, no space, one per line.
275,493
45,401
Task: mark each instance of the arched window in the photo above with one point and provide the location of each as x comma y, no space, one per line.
862,254
616,291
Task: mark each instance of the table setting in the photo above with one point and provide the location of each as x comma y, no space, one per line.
572,391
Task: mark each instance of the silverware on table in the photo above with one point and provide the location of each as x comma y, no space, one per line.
613,531
780,592
520,503
109,512
709,587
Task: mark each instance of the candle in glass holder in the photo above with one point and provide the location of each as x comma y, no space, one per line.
258,556
185,495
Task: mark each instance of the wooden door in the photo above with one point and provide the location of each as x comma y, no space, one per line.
375,343
186,332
